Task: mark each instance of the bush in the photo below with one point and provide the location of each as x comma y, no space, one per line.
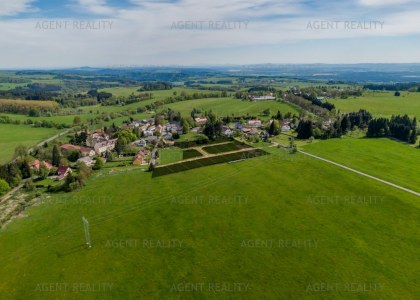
4,187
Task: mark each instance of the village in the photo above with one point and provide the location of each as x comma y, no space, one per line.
99,147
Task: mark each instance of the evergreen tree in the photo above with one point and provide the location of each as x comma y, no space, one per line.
56,156
304,129
345,124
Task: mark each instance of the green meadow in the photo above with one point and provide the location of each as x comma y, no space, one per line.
231,106
13,135
272,227
384,158
382,104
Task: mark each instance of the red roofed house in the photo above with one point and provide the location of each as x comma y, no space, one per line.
36,165
139,160
254,123
87,151
69,147
201,121
62,172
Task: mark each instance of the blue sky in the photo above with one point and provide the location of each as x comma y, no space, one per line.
70,33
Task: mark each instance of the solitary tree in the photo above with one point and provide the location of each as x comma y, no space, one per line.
77,120
20,151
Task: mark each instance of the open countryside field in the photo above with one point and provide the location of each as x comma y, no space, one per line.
160,94
384,158
13,135
229,106
220,232
382,104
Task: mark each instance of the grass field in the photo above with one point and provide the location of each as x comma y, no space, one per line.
382,104
229,106
170,155
224,148
383,158
207,161
12,135
127,91
190,153
177,236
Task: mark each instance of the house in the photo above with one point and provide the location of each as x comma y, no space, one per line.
285,128
263,98
85,151
148,132
95,138
253,131
246,130
168,143
69,147
136,123
105,146
228,132
201,121
87,160
139,160
145,151
196,130
47,165
167,136
238,126
141,143
62,172
159,128
36,165
254,123
151,139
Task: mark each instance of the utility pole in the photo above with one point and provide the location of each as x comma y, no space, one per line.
87,232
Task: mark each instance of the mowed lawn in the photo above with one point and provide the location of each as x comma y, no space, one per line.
247,230
13,135
382,104
231,106
384,158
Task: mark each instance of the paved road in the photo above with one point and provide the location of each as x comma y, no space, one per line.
49,140
361,173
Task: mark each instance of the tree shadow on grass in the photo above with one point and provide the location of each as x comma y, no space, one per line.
73,250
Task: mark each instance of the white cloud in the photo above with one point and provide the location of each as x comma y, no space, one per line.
95,7
143,34
14,7
383,2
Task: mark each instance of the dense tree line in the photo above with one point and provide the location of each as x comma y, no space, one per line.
156,86
305,129
401,86
26,106
399,127
213,127
306,105
360,119
315,101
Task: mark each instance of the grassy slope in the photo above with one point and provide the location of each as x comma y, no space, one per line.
382,104
229,106
357,243
384,158
12,135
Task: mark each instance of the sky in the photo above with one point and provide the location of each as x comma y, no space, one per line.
134,33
